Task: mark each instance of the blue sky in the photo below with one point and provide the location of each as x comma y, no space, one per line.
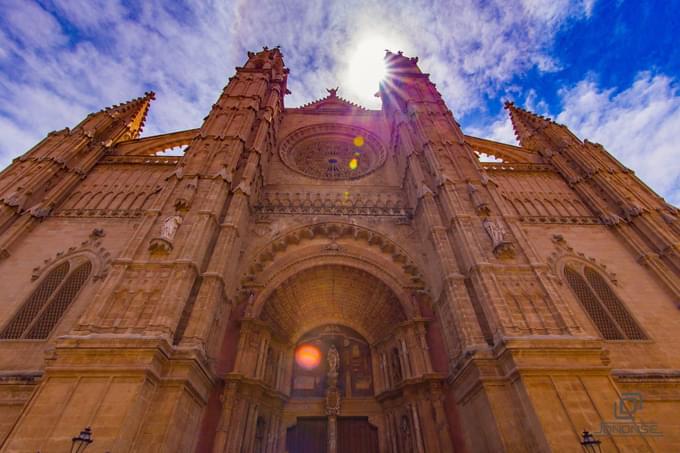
608,69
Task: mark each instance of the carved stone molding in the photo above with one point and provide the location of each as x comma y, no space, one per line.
503,166
564,252
160,246
364,204
333,231
92,248
145,160
112,213
574,220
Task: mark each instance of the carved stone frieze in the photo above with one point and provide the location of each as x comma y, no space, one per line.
333,231
112,213
516,167
354,204
145,160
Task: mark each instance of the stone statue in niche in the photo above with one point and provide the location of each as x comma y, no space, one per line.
163,244
495,231
501,247
333,359
170,226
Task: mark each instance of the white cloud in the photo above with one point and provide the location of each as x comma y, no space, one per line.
638,125
31,25
500,131
101,52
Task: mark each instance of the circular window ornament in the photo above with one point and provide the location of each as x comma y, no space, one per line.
332,152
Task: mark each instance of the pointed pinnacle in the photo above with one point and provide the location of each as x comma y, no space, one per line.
524,122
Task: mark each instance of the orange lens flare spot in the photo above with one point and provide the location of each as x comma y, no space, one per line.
358,141
308,356
353,164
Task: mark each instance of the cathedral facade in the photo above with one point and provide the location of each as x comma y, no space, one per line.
330,278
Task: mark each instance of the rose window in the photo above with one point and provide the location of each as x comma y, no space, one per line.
332,159
338,154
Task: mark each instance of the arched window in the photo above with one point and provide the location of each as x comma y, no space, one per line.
603,306
36,318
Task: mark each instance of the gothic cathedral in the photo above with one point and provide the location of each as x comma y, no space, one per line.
334,279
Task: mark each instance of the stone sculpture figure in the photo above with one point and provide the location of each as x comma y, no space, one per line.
333,359
170,226
495,232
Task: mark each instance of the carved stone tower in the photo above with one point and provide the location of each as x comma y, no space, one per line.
330,278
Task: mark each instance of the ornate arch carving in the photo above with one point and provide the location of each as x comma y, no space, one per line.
333,231
91,249
313,260
564,253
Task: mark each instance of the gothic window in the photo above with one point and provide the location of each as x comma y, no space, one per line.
603,306
48,302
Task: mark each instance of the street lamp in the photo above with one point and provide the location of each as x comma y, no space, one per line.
80,443
590,444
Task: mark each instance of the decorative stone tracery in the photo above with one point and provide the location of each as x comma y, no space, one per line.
91,249
332,151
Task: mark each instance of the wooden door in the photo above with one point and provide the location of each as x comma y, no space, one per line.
357,435
309,435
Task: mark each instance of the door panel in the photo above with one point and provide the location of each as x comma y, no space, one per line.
357,435
309,435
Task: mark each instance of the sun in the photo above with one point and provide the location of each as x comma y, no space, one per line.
366,68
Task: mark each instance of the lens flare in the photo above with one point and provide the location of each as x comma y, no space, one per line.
358,141
308,356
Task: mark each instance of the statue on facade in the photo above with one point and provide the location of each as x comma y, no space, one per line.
170,226
163,243
501,247
333,359
495,231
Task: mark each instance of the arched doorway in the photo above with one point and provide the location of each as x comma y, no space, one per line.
376,392
334,363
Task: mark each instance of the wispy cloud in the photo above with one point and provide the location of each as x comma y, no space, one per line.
62,58
638,125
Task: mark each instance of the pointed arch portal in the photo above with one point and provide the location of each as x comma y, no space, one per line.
371,372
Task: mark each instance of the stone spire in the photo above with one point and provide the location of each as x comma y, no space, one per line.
132,114
526,124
